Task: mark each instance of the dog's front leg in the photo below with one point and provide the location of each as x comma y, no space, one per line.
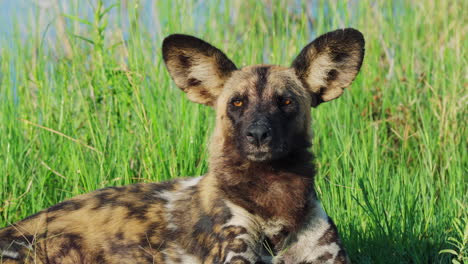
316,242
240,247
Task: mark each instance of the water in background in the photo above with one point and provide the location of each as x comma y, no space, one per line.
48,21
20,19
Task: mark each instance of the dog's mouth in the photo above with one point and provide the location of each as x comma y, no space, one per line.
265,154
259,156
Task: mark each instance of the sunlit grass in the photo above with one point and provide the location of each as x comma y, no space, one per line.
94,106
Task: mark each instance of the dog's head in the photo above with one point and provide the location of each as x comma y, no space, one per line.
264,110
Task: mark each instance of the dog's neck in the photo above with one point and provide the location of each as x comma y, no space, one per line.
275,190
234,168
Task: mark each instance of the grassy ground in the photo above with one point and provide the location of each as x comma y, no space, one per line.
87,106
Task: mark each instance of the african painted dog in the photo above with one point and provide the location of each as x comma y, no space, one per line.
259,188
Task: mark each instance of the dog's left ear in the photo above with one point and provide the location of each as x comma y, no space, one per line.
197,67
330,63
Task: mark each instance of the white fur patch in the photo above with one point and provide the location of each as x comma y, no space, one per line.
13,254
272,227
306,247
240,217
172,196
189,182
9,254
183,256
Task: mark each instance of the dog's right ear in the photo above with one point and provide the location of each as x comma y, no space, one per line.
198,68
330,63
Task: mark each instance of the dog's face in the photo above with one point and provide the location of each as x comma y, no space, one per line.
264,110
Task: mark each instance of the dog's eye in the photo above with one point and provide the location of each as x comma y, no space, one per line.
237,103
285,101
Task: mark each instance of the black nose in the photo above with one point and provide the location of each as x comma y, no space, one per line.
258,134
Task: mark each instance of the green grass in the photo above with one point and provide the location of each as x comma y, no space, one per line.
79,114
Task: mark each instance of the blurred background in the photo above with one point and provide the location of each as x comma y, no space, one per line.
86,102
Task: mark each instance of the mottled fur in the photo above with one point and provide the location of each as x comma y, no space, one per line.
260,184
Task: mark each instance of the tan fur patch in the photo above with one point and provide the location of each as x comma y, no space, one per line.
331,62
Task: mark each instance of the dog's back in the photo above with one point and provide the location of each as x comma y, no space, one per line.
113,225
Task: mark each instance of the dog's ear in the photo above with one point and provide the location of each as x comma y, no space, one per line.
330,63
198,68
